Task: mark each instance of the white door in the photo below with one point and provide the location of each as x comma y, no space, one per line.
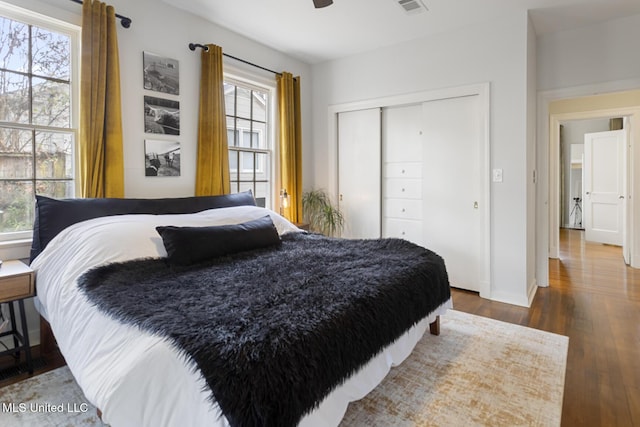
604,186
452,214
359,149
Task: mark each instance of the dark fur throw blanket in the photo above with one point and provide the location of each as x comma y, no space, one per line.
274,330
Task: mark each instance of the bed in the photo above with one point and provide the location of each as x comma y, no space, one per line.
99,262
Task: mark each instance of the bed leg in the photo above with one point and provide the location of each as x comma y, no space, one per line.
99,413
434,327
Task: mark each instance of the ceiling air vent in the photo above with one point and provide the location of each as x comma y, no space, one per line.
412,6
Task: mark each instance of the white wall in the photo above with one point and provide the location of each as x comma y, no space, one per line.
165,30
494,52
597,53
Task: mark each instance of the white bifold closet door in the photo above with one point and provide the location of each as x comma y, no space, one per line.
416,172
432,182
452,189
359,172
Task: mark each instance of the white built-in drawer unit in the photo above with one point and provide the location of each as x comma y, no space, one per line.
398,188
402,175
402,201
403,170
410,230
403,208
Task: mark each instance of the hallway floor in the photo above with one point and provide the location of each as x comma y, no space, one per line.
594,299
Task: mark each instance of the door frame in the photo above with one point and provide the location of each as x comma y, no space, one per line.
482,90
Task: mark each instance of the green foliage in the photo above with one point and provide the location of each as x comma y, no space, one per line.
33,160
320,213
16,205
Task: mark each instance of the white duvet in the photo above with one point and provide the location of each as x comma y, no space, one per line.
138,379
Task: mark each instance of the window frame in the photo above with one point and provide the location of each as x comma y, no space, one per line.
242,149
260,83
74,33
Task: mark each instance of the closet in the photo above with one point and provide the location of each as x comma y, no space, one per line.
417,171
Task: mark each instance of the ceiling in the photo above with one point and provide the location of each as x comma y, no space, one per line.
348,27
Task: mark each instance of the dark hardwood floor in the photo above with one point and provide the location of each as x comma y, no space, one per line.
13,371
45,358
594,299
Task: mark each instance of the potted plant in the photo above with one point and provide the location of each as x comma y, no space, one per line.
322,216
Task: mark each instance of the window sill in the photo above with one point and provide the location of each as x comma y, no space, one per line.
8,244
15,249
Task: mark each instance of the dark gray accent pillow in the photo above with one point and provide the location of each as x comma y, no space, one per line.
190,245
54,215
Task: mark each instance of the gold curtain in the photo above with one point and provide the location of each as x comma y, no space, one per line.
212,166
290,140
101,154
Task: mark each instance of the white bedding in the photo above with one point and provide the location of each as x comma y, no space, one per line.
138,379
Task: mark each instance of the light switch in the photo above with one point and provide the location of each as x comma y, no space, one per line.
497,175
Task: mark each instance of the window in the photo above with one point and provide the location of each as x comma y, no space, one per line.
248,132
37,133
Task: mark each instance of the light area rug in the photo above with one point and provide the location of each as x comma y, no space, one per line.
478,372
52,399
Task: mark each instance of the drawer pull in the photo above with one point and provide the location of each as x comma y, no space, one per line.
402,170
403,210
403,190
403,233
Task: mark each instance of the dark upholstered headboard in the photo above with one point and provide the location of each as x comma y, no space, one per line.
54,215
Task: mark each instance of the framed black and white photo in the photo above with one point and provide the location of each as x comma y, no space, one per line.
161,74
161,158
161,116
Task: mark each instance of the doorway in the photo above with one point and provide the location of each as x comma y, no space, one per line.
585,102
571,168
566,131
610,137
593,179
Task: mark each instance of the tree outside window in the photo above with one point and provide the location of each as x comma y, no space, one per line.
36,131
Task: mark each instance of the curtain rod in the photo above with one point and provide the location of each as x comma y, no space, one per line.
126,22
193,46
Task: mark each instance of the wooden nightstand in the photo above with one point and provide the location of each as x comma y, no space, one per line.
17,282
302,225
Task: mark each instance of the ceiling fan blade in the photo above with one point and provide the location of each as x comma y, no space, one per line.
322,3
